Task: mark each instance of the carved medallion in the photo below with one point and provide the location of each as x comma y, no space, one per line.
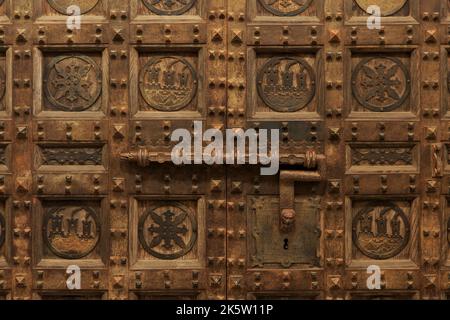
168,232
71,232
285,7
168,83
169,7
73,83
381,84
387,7
381,231
2,230
286,84
2,83
62,5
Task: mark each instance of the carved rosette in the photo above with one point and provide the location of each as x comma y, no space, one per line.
381,84
387,7
73,83
72,232
2,229
168,83
168,232
285,7
63,6
381,231
169,7
286,84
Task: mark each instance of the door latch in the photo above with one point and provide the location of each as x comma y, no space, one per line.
314,171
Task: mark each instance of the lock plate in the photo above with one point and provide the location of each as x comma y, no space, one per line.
272,248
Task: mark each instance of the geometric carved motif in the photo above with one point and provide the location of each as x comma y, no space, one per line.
67,156
381,84
73,83
381,230
285,7
62,5
71,232
379,156
168,232
2,229
168,83
286,84
387,7
169,7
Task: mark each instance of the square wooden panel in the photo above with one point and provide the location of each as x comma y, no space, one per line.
60,10
382,232
391,11
167,10
382,83
167,84
382,158
167,234
287,84
5,232
285,10
71,231
5,11
71,82
271,248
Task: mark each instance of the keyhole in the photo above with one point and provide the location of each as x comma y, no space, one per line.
286,244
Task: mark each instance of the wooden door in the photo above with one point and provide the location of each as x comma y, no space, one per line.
369,106
86,177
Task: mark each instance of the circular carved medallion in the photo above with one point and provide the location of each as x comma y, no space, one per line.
387,7
71,233
381,232
168,232
168,83
2,83
2,230
73,83
62,6
285,7
169,7
286,84
381,84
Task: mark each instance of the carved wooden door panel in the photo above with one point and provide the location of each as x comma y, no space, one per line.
87,179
